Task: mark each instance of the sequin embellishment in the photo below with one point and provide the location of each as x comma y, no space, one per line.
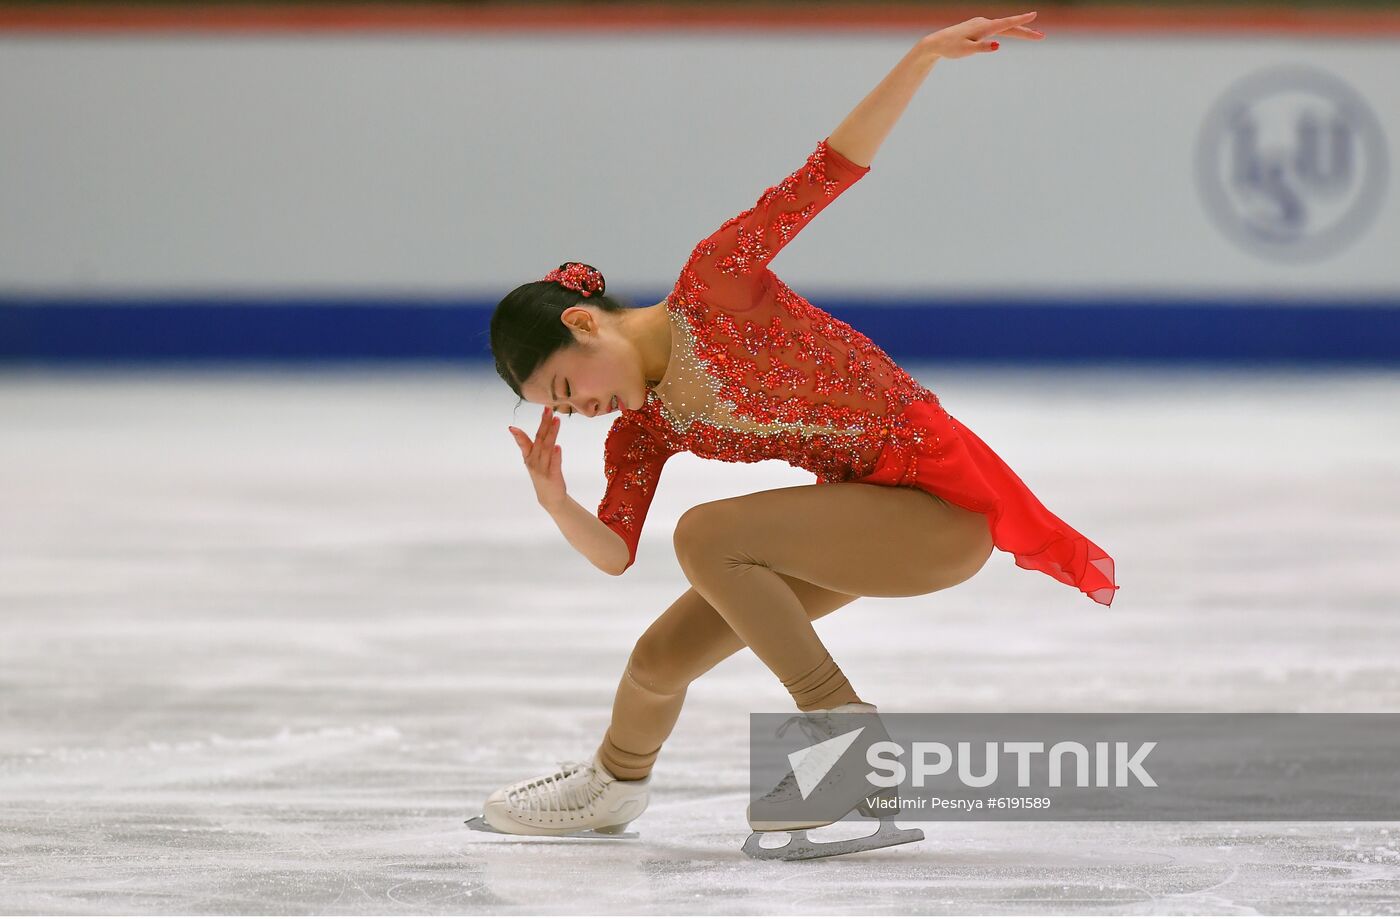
756,371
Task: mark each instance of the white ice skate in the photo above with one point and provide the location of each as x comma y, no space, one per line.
578,799
798,846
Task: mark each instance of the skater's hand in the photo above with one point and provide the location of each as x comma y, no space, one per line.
544,459
975,36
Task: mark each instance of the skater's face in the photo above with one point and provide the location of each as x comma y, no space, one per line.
582,378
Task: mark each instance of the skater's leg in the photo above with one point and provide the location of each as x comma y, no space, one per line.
684,642
851,537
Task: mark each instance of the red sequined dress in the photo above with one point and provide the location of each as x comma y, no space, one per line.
757,373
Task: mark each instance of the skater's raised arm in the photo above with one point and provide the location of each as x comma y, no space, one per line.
731,263
869,123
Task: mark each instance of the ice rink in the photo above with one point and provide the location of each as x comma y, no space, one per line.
267,639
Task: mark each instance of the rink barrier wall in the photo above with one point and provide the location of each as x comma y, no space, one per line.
102,263
39,330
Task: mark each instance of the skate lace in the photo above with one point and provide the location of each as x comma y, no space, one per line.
573,786
817,727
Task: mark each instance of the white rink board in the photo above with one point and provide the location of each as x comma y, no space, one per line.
464,165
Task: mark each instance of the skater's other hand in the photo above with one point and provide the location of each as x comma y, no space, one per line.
544,459
975,36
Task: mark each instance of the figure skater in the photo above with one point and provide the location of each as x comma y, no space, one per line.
734,365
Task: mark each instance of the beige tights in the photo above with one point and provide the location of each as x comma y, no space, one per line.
762,567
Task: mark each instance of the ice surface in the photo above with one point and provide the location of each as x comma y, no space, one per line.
266,640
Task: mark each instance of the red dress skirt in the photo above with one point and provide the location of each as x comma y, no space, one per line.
932,450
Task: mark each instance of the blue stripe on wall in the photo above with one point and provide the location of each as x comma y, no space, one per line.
35,330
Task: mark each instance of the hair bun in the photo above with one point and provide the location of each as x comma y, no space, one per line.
578,276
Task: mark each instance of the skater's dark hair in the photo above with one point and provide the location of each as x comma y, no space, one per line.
525,327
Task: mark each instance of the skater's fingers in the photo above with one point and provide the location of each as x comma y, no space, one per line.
539,453
548,437
1008,21
547,421
531,450
543,446
524,443
1015,27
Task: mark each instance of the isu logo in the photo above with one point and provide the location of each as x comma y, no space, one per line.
1291,164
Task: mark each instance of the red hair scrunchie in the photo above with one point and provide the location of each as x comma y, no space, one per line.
585,279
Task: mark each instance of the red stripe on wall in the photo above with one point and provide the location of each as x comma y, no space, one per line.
1053,20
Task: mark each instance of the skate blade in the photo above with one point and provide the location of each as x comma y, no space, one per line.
799,847
779,826
479,823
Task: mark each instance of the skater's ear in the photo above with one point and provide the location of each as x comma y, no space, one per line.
528,327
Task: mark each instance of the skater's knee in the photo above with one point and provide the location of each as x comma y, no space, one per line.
654,667
690,532
705,532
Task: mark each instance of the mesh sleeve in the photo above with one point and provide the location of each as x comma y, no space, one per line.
632,461
732,261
